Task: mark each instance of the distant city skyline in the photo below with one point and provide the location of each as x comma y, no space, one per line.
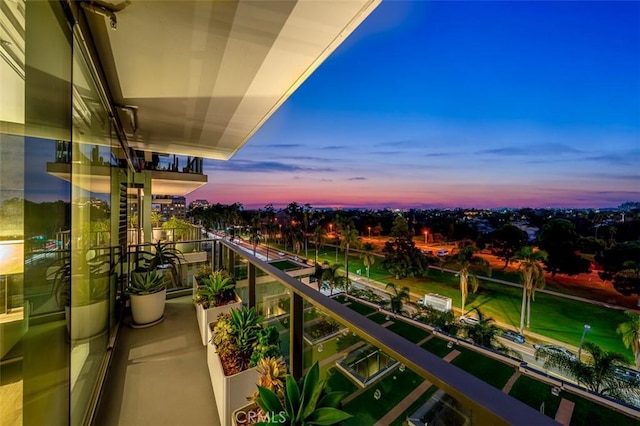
457,104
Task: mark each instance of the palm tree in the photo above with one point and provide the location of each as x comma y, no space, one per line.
398,297
597,373
368,258
349,238
531,276
630,331
468,261
318,238
330,275
484,332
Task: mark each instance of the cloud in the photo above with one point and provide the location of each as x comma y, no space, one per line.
284,145
332,147
246,166
400,143
358,178
630,157
531,149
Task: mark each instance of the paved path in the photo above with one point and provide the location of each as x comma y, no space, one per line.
507,387
565,411
429,337
404,404
451,355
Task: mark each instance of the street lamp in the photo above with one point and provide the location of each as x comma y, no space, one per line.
584,331
330,228
425,236
369,228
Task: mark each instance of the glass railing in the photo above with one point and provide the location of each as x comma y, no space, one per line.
387,377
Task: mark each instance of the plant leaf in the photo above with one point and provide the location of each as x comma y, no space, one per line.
268,400
311,390
332,399
292,396
327,416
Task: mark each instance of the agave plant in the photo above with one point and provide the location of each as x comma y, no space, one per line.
216,290
147,282
164,255
305,402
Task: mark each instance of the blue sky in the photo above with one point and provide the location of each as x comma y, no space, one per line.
457,104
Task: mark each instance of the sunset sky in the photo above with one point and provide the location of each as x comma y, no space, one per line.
453,104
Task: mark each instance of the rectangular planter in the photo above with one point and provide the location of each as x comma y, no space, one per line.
231,392
207,316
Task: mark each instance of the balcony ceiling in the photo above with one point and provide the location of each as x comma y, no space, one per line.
203,76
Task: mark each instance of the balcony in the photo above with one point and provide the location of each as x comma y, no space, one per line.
159,374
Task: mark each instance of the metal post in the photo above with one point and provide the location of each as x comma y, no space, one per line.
252,284
584,331
296,346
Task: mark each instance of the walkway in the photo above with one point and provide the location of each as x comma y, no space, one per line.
159,374
565,411
507,387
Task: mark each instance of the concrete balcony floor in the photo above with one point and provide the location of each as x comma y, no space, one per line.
159,374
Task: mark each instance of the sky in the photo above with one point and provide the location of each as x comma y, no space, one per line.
442,104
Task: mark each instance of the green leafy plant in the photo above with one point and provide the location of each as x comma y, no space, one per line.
241,341
92,285
147,283
163,255
304,403
217,289
272,375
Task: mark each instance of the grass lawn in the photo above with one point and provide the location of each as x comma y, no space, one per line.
366,410
437,346
534,393
413,407
379,318
408,331
338,382
592,414
486,369
360,308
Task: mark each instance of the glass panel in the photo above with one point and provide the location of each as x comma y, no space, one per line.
92,284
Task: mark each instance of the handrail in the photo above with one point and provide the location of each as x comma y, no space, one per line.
497,407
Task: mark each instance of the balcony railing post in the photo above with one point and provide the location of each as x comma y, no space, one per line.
296,355
251,275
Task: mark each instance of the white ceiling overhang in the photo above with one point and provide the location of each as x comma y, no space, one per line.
203,76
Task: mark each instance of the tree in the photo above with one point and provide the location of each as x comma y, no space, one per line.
559,239
630,331
620,264
468,262
330,275
398,297
531,277
349,239
597,373
402,258
506,241
318,238
484,332
368,258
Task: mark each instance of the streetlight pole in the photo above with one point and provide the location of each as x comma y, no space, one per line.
425,237
584,331
369,228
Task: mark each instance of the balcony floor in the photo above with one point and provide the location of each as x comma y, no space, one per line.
159,374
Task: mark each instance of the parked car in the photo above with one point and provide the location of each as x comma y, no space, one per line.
443,252
556,350
627,374
513,336
426,252
469,320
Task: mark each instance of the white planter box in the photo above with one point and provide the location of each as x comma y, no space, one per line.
231,392
207,316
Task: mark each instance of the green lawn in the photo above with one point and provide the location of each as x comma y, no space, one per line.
366,410
534,393
408,331
338,382
592,414
378,317
437,346
487,369
360,308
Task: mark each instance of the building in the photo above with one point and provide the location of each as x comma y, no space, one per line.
199,204
121,101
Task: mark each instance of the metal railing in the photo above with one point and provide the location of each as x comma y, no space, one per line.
488,405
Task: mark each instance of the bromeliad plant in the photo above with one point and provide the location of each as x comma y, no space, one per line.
303,403
241,341
216,289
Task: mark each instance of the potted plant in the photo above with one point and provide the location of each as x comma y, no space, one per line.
303,403
84,294
202,273
148,292
163,257
238,343
215,295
